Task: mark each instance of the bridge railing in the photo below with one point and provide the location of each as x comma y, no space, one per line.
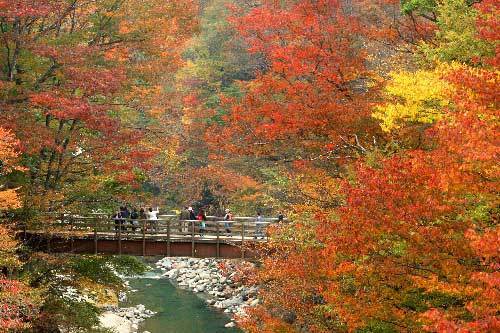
166,228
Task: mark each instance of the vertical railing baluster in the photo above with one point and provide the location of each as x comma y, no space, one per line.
95,235
242,239
71,233
218,238
143,238
120,223
192,238
168,238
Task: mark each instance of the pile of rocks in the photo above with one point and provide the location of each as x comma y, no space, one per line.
205,276
133,315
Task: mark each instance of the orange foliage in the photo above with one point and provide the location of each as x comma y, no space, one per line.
415,244
315,77
9,155
85,87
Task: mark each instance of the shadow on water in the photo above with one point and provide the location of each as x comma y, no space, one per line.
179,311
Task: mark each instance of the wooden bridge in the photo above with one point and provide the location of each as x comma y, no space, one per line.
169,236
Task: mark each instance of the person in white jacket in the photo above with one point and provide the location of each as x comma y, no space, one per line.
152,215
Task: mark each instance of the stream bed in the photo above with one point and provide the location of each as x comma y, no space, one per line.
178,310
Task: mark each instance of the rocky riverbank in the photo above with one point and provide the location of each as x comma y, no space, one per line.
120,320
215,279
125,320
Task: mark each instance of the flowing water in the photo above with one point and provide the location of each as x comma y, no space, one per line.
179,311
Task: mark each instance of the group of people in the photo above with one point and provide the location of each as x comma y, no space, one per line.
188,214
124,218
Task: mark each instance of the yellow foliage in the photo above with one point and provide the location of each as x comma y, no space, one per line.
8,247
8,151
413,97
9,199
8,162
102,295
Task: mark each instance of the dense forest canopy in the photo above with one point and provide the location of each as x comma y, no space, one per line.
372,124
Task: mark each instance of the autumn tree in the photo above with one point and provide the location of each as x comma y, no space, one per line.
20,302
413,244
83,87
75,70
215,60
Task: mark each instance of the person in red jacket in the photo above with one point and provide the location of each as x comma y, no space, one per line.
202,218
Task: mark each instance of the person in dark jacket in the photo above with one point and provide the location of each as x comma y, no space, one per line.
125,214
134,216
281,217
117,217
142,214
192,216
143,217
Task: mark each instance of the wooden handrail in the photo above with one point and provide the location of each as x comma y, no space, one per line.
166,228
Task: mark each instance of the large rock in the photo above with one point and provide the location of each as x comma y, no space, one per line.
114,322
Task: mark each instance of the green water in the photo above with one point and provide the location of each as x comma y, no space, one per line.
179,311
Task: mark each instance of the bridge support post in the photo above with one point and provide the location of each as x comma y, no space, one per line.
143,238
72,242
218,239
192,238
120,224
242,239
168,237
95,236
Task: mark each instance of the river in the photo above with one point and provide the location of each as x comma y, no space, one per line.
179,311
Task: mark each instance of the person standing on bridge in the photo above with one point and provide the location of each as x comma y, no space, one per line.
191,218
281,217
227,225
191,214
134,216
184,216
259,226
202,218
142,214
118,219
125,214
143,217
153,217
